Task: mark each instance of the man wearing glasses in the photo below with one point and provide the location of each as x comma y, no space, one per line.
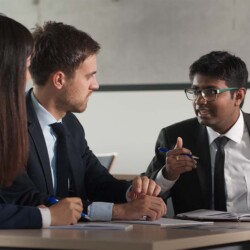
204,162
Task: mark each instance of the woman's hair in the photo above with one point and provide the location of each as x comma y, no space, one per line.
16,44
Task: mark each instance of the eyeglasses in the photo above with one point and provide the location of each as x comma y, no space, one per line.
208,94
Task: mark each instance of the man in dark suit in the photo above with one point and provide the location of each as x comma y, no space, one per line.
63,67
219,83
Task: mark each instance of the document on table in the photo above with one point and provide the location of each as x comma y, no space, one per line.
166,222
213,215
96,226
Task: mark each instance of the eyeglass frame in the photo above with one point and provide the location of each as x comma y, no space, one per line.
200,92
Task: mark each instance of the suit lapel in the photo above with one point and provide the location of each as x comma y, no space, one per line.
37,137
204,165
247,121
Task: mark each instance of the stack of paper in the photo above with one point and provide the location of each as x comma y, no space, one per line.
212,215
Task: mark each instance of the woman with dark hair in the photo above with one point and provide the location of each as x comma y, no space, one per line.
16,46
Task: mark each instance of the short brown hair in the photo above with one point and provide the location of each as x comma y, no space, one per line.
59,47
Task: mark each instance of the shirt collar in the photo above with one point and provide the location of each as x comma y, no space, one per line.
44,117
235,133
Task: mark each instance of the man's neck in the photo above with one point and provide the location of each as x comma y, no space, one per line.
47,99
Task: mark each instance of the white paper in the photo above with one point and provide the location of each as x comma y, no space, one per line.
96,226
166,222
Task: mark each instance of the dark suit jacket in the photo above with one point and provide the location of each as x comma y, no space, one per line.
17,217
91,181
193,190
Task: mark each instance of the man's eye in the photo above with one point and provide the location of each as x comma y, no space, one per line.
194,90
210,91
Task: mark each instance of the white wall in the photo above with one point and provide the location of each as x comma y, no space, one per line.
143,41
147,41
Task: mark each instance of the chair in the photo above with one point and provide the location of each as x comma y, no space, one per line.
107,159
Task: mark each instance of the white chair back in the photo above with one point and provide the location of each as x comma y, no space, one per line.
107,159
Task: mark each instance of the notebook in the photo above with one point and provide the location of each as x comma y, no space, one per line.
213,215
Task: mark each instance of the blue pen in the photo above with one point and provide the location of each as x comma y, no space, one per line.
53,200
165,150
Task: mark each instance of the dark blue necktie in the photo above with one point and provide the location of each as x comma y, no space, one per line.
62,161
219,180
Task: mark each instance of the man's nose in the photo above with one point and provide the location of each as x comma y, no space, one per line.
200,99
94,85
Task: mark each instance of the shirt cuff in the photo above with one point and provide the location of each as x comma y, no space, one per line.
100,211
164,183
46,217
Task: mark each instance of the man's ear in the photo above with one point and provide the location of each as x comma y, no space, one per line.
58,79
240,96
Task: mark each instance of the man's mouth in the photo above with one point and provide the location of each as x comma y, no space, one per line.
89,94
202,112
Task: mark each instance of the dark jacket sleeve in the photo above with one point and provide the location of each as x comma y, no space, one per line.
167,138
192,190
159,159
23,192
94,182
17,217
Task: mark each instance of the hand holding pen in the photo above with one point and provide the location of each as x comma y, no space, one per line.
70,206
165,150
178,160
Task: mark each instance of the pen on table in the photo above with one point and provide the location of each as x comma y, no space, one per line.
165,150
53,200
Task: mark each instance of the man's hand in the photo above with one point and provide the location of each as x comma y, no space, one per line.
66,212
177,163
143,185
151,207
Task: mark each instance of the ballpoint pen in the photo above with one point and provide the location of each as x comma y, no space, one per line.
165,150
53,200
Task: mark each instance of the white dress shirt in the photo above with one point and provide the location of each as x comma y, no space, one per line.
164,183
97,210
236,168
